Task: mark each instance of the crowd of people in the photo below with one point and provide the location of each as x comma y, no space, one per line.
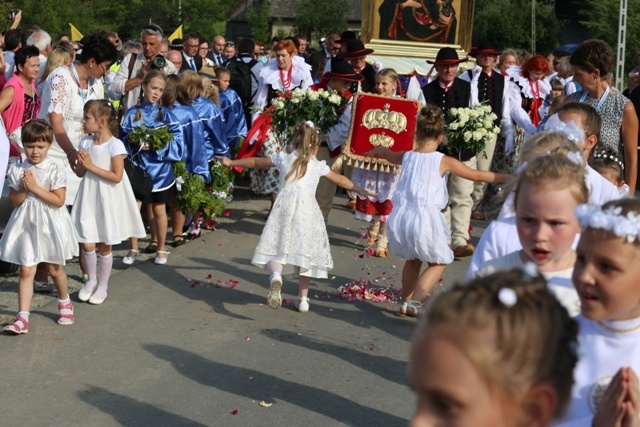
98,128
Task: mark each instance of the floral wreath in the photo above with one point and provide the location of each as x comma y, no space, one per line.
609,156
610,219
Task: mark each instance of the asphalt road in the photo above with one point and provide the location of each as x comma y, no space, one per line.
194,343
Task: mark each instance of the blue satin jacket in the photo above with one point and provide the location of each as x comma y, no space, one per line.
195,155
215,141
235,123
158,164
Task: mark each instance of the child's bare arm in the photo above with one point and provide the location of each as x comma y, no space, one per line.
346,183
16,197
458,168
249,162
394,157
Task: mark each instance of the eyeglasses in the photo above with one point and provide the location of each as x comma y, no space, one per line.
106,70
152,28
334,48
229,44
192,45
556,63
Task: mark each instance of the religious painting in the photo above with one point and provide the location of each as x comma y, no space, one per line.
416,27
379,120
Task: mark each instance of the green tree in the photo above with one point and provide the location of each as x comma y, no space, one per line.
259,19
317,18
601,19
507,24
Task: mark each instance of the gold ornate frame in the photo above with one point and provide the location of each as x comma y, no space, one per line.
402,48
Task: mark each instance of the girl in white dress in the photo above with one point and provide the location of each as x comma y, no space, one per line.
498,351
418,231
548,190
40,228
605,275
294,239
105,211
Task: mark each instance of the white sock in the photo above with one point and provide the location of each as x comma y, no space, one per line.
24,315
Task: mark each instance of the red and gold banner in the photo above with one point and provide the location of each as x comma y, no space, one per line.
379,120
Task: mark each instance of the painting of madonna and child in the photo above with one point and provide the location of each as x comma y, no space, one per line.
431,21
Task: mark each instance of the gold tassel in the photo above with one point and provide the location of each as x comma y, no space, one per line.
337,165
375,166
368,166
349,161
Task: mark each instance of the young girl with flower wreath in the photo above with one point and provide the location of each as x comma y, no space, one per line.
605,275
497,351
547,192
294,239
156,160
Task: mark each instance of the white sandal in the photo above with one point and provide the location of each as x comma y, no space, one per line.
410,309
159,260
130,259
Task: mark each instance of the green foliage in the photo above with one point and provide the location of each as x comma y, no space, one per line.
260,21
195,197
127,17
601,19
317,18
507,24
156,138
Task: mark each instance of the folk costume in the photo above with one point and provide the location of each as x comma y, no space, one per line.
456,94
332,140
491,90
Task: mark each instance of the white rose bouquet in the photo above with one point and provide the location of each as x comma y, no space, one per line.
469,128
321,107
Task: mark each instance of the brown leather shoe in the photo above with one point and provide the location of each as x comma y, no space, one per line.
463,251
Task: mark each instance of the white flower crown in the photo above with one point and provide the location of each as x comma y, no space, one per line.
610,219
573,156
572,131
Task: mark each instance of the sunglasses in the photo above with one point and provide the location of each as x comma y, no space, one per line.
229,44
153,28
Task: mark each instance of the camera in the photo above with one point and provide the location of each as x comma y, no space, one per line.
12,13
158,63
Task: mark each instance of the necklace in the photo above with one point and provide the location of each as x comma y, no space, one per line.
286,81
82,92
619,330
602,99
536,91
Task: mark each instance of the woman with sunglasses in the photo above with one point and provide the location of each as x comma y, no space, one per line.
65,92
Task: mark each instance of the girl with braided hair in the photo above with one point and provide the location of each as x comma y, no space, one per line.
294,239
158,164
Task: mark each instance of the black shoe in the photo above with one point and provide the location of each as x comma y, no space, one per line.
178,241
152,248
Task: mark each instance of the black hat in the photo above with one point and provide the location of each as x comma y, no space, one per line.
176,44
342,70
346,37
355,49
484,47
447,56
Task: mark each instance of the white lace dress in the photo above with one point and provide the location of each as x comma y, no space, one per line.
62,95
295,234
416,227
103,211
37,231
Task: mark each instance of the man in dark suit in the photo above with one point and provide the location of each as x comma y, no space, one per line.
190,58
356,54
446,92
330,49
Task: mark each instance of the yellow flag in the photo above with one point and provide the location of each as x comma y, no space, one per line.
177,34
76,35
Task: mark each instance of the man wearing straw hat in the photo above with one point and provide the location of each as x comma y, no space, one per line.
448,91
488,86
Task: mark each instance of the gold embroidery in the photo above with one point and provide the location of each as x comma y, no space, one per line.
381,139
385,119
596,392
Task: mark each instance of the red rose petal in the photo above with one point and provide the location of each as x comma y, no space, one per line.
234,412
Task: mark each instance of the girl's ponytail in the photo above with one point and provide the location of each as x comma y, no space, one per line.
306,137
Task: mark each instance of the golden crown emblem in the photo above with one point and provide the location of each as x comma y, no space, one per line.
384,119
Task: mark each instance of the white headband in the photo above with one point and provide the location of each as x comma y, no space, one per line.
571,130
573,156
605,155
